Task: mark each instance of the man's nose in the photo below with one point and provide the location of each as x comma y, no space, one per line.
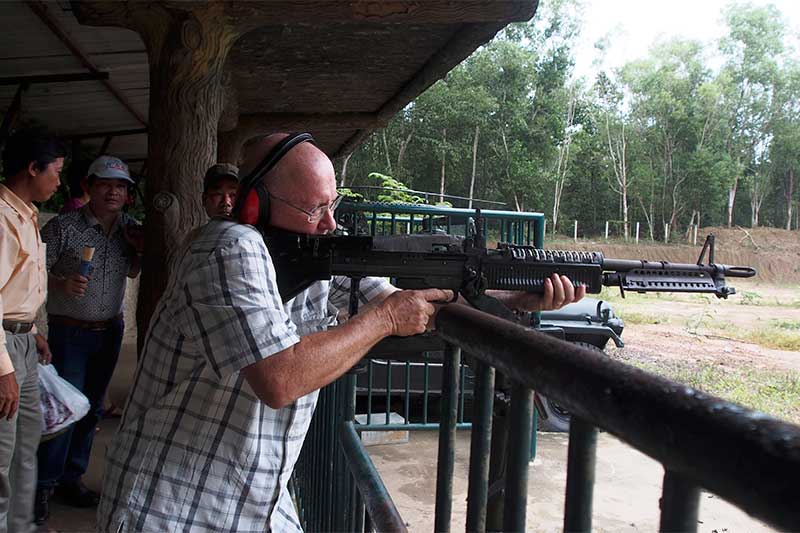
327,223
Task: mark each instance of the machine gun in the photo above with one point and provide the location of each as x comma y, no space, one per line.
467,267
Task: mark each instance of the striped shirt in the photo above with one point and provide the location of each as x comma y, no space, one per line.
196,449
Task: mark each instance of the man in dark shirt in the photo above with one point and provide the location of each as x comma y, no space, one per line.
219,189
85,318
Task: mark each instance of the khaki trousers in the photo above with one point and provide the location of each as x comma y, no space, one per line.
19,439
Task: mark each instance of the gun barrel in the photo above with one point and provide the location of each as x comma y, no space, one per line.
627,265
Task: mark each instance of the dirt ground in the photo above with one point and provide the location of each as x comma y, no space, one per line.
702,328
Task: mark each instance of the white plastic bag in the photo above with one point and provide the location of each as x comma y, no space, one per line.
62,404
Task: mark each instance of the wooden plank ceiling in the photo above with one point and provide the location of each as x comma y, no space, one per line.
337,69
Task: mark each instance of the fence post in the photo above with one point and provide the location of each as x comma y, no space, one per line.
575,237
637,233
694,236
666,233
544,227
606,229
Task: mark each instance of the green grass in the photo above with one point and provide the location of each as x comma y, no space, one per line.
787,324
773,392
634,317
773,338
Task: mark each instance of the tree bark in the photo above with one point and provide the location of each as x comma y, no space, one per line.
187,54
187,46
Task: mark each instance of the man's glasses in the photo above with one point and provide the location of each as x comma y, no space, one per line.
318,212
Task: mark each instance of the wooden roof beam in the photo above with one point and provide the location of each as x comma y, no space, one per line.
258,123
97,134
247,16
40,10
380,11
54,78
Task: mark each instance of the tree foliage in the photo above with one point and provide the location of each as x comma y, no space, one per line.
672,139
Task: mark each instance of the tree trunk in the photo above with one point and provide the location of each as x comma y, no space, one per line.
444,158
474,165
402,153
386,150
731,199
186,53
345,160
789,195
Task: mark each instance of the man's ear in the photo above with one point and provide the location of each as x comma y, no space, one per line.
85,184
33,168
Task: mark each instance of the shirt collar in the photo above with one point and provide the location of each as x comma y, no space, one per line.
16,203
92,220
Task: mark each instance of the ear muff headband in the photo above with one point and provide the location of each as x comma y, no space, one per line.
252,200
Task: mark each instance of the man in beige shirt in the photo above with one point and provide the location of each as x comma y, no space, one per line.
32,165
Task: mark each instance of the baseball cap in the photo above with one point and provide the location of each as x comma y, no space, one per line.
218,172
110,167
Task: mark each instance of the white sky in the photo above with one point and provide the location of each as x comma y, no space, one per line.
643,22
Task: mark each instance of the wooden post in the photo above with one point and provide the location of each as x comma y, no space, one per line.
637,233
545,228
666,233
606,229
576,231
694,235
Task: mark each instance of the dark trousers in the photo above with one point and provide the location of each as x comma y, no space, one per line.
85,358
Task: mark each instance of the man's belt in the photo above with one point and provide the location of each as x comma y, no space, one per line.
94,325
17,327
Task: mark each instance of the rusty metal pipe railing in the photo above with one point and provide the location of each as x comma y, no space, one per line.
746,457
580,476
383,514
480,446
680,502
447,440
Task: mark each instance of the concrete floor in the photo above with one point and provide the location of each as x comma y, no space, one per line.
627,489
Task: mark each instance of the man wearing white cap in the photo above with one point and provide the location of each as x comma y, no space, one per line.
85,318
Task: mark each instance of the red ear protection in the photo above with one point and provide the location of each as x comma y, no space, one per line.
252,199
250,208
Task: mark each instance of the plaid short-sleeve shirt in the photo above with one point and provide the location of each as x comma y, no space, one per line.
196,449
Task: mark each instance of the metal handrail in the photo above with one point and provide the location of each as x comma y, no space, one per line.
746,457
380,507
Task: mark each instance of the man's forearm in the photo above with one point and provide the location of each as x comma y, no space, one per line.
317,360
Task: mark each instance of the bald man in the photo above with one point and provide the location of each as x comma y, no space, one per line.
229,375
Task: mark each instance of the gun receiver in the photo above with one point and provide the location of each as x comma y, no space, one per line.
467,267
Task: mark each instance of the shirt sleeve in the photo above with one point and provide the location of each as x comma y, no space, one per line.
9,251
236,314
368,289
